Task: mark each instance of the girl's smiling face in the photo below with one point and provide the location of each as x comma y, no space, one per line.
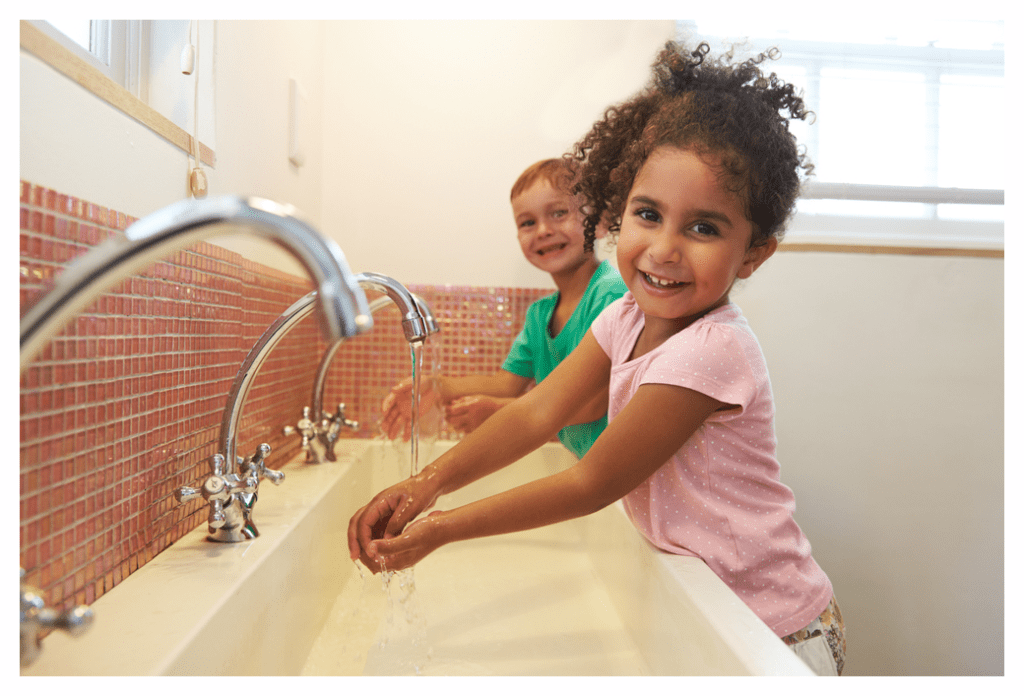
684,239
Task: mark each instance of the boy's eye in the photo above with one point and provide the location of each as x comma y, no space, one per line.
526,223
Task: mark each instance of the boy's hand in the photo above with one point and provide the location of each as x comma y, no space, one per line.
396,409
467,413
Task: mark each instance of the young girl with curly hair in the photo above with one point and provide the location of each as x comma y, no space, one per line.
695,176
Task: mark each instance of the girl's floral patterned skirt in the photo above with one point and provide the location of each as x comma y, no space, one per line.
822,644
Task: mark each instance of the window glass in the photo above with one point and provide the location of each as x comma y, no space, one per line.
904,105
870,128
75,29
971,131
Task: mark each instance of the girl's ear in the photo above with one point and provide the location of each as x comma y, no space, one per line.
757,255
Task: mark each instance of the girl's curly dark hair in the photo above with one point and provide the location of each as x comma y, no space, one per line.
730,111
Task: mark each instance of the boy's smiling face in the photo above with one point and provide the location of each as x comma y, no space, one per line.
550,228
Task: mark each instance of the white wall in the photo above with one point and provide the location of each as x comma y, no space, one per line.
255,60
888,370
888,378
73,142
428,125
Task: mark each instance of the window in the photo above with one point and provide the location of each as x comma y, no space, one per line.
142,58
909,129
114,47
78,30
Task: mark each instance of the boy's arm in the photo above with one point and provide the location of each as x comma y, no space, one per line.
502,384
396,409
466,413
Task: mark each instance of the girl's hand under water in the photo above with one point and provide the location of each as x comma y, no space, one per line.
386,515
398,553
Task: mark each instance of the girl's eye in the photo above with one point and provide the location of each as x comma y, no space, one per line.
648,214
704,229
559,214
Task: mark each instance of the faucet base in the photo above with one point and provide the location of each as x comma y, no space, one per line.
231,536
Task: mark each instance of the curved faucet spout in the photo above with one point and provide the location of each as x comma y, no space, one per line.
299,310
414,322
320,383
418,322
345,311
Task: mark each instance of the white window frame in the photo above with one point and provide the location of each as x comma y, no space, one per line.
928,231
126,89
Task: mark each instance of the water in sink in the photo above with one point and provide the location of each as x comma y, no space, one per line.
529,603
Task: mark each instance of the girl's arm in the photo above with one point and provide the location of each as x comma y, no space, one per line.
589,412
511,433
658,420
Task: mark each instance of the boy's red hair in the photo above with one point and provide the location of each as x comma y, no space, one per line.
551,170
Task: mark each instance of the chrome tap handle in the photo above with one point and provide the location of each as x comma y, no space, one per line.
217,490
261,453
305,427
36,616
217,464
186,494
213,486
276,477
257,466
243,486
75,621
229,496
291,430
217,517
334,424
343,421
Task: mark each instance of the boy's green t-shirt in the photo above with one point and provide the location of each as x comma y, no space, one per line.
535,353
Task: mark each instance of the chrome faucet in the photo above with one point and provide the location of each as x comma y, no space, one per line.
232,492
344,312
415,332
344,308
232,488
37,617
232,495
417,319
319,429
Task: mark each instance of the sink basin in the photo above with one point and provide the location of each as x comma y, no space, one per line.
585,597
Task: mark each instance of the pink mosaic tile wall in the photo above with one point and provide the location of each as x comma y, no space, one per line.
125,404
477,328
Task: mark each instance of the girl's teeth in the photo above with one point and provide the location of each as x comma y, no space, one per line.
661,283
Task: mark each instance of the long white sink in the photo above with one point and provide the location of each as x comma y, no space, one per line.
586,597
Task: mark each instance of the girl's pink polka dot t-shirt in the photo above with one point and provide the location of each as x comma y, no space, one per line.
720,496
